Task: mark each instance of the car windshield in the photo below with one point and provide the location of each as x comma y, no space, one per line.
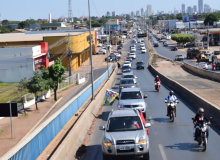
139,63
126,67
127,62
128,76
127,81
131,95
117,124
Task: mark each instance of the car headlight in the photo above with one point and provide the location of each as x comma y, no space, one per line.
142,140
132,86
120,106
121,87
107,142
140,105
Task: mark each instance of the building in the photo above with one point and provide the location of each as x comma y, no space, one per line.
137,13
200,6
18,62
50,20
183,9
113,13
194,8
189,10
57,43
132,14
142,11
207,8
149,9
112,25
108,13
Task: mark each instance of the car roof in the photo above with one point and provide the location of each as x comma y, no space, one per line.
130,89
123,113
128,73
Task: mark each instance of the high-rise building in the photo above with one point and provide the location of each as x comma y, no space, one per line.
50,20
108,13
189,10
194,8
142,11
137,13
113,13
207,8
132,13
200,6
149,9
183,9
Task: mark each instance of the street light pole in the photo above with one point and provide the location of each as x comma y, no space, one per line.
90,38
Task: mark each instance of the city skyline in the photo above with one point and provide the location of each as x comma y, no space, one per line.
80,8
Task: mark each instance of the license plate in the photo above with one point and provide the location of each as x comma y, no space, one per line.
125,148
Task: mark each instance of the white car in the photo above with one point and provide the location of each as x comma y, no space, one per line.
143,50
139,40
123,36
142,44
132,55
117,54
142,47
127,63
99,45
101,51
203,65
142,39
133,49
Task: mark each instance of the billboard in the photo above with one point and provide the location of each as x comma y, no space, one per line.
189,18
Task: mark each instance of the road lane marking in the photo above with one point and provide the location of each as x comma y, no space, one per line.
162,152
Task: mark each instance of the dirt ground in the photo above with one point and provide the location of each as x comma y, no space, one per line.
207,89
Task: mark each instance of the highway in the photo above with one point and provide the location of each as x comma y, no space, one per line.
168,141
166,52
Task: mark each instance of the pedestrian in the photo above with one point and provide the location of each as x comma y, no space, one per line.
118,65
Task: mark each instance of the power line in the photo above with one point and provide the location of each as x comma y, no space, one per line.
95,7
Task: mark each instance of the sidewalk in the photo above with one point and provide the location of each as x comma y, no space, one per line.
24,124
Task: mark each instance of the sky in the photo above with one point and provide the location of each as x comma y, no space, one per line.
35,9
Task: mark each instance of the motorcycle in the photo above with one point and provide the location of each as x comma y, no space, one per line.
157,86
213,67
171,108
202,134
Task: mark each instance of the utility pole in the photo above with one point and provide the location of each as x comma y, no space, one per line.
208,37
70,58
90,41
107,53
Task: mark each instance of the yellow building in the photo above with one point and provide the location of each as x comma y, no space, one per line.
79,46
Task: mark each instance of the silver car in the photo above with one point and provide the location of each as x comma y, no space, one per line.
131,98
130,75
126,83
125,135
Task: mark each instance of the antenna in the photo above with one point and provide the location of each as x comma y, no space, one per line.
70,13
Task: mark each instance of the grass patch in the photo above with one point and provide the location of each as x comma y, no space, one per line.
7,85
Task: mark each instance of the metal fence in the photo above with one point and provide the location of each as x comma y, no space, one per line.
38,141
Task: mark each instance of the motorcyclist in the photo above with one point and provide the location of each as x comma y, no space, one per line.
157,79
171,98
199,119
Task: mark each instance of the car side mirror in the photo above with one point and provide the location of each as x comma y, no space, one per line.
135,76
117,98
147,125
145,96
102,128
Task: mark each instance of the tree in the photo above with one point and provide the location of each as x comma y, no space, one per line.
179,16
85,19
54,75
210,19
5,22
36,84
21,90
182,38
23,24
128,17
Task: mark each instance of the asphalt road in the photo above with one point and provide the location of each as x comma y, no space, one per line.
168,141
166,52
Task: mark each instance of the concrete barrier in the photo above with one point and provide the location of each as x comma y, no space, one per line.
68,148
208,74
193,99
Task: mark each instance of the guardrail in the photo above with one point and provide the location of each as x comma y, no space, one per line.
38,140
209,74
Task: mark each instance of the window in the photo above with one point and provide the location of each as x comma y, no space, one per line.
128,76
117,124
131,95
130,81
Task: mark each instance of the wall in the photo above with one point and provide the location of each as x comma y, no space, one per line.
15,63
202,72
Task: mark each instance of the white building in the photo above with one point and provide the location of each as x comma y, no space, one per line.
17,62
200,6
194,8
149,9
142,11
183,9
50,20
137,13
132,13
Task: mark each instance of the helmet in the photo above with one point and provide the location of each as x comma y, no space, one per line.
157,76
171,93
201,111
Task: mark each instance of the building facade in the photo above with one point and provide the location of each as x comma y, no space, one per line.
113,13
200,6
137,13
142,11
183,9
149,9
